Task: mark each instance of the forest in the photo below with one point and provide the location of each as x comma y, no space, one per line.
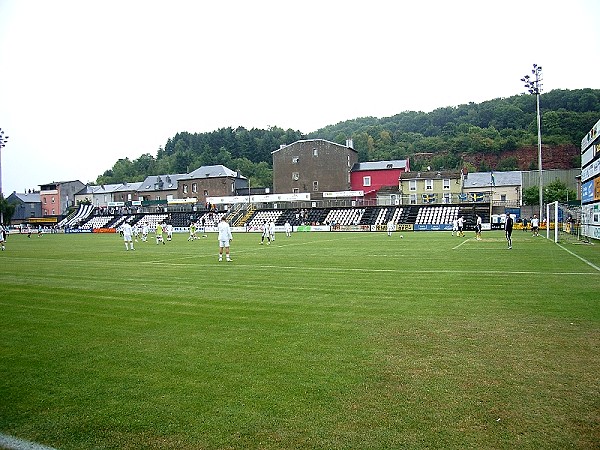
445,138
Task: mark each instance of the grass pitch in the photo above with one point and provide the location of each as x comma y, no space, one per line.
318,341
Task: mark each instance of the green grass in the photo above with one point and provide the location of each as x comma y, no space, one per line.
319,341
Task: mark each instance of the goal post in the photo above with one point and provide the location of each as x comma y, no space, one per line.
563,222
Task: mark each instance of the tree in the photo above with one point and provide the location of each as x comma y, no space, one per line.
555,191
7,209
558,191
531,195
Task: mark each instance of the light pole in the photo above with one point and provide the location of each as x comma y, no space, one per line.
3,140
534,86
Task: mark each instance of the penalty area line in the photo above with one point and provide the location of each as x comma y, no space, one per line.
12,443
463,242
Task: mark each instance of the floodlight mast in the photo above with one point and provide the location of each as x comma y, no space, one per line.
534,86
3,140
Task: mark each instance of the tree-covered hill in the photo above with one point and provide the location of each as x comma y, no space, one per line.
497,134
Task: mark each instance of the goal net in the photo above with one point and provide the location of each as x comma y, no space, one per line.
563,223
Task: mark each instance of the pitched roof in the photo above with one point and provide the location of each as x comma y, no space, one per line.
218,170
87,189
301,141
380,165
130,186
33,197
106,188
430,175
482,179
169,182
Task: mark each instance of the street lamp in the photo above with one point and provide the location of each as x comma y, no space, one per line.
3,140
534,87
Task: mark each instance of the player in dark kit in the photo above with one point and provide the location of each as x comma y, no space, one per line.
508,227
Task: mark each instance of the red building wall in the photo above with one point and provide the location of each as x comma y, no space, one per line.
379,179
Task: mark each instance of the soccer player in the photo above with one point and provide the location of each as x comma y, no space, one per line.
272,230
265,234
478,228
192,232
127,235
159,234
535,225
461,224
391,227
288,229
225,238
145,232
455,227
2,237
508,227
169,231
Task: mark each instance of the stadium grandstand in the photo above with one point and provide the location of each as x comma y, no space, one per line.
418,217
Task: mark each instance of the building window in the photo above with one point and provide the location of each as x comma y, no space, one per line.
295,160
429,185
295,176
503,197
413,199
185,189
446,184
53,213
315,152
52,201
157,197
205,193
367,181
412,186
194,187
446,197
295,190
45,200
315,185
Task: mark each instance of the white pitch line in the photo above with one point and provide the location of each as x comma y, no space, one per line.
466,240
398,270
12,443
579,257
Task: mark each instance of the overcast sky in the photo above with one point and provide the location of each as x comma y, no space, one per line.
84,83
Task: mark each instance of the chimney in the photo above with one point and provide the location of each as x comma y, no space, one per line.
350,143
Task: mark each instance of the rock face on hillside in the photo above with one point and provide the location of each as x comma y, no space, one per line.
553,157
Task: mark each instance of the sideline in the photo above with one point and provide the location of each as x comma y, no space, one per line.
579,257
12,443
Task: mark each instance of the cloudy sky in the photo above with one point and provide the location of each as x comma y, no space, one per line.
86,82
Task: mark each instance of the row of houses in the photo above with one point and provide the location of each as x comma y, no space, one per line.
317,167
